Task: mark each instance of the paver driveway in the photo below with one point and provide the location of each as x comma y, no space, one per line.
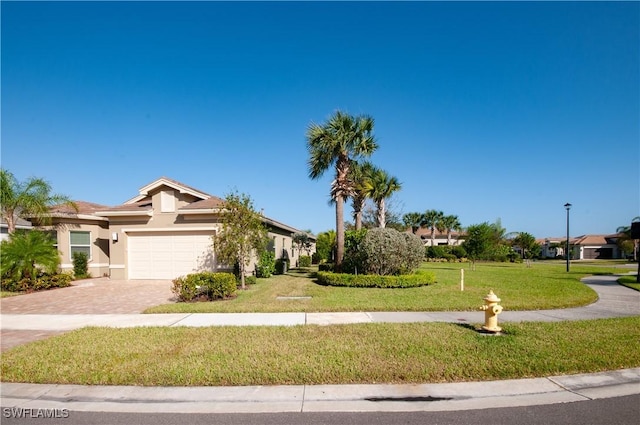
91,296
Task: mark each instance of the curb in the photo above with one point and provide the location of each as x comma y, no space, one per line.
323,398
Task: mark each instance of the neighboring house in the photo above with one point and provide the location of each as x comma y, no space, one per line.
21,224
441,238
585,247
162,233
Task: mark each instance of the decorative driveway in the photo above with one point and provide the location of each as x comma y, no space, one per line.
90,296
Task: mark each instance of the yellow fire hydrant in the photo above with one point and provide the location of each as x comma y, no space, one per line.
491,311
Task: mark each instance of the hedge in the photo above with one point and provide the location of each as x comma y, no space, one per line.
208,285
41,282
376,281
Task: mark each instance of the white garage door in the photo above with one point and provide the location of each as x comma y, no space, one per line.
168,255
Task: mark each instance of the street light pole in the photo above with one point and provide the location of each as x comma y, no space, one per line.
568,254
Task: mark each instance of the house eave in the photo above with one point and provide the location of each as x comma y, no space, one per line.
124,213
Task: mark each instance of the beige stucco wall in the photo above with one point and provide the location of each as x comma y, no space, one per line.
99,230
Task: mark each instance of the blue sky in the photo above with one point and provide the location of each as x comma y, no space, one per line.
483,110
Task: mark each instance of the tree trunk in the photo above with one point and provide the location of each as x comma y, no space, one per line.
11,222
382,221
358,217
339,232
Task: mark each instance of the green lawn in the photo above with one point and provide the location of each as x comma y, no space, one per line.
630,282
5,294
546,285
341,354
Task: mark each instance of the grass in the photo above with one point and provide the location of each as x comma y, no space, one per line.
546,285
364,353
629,282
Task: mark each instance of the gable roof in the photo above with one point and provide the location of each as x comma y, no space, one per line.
174,184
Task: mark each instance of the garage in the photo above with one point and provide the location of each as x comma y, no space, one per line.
167,255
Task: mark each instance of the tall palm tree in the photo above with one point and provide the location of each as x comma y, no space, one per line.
450,223
625,238
380,186
335,143
29,199
431,220
359,174
413,220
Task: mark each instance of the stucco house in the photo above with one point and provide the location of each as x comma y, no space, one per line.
440,238
585,247
163,232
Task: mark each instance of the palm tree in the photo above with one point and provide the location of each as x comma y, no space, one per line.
29,199
450,223
341,139
431,219
25,253
381,186
412,220
359,174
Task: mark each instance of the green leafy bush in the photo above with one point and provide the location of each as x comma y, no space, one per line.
266,264
305,261
389,252
80,265
38,283
376,281
204,285
325,267
353,255
250,280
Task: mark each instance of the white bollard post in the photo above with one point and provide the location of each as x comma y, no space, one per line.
461,279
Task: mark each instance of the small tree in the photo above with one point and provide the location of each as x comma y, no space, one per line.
478,242
528,245
303,241
242,235
25,254
325,245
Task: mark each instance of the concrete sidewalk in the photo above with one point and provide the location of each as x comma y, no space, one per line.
614,301
323,398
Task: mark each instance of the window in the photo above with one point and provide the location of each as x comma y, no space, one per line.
80,242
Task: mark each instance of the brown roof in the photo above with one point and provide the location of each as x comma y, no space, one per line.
84,207
136,206
205,204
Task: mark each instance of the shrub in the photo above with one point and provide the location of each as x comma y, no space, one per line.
266,264
208,285
80,265
389,252
250,280
325,267
316,258
305,261
353,255
376,281
38,283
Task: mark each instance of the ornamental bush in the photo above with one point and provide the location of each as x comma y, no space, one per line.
266,265
40,282
80,265
304,261
375,281
387,252
207,286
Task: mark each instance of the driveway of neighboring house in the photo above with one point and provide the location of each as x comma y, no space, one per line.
90,296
